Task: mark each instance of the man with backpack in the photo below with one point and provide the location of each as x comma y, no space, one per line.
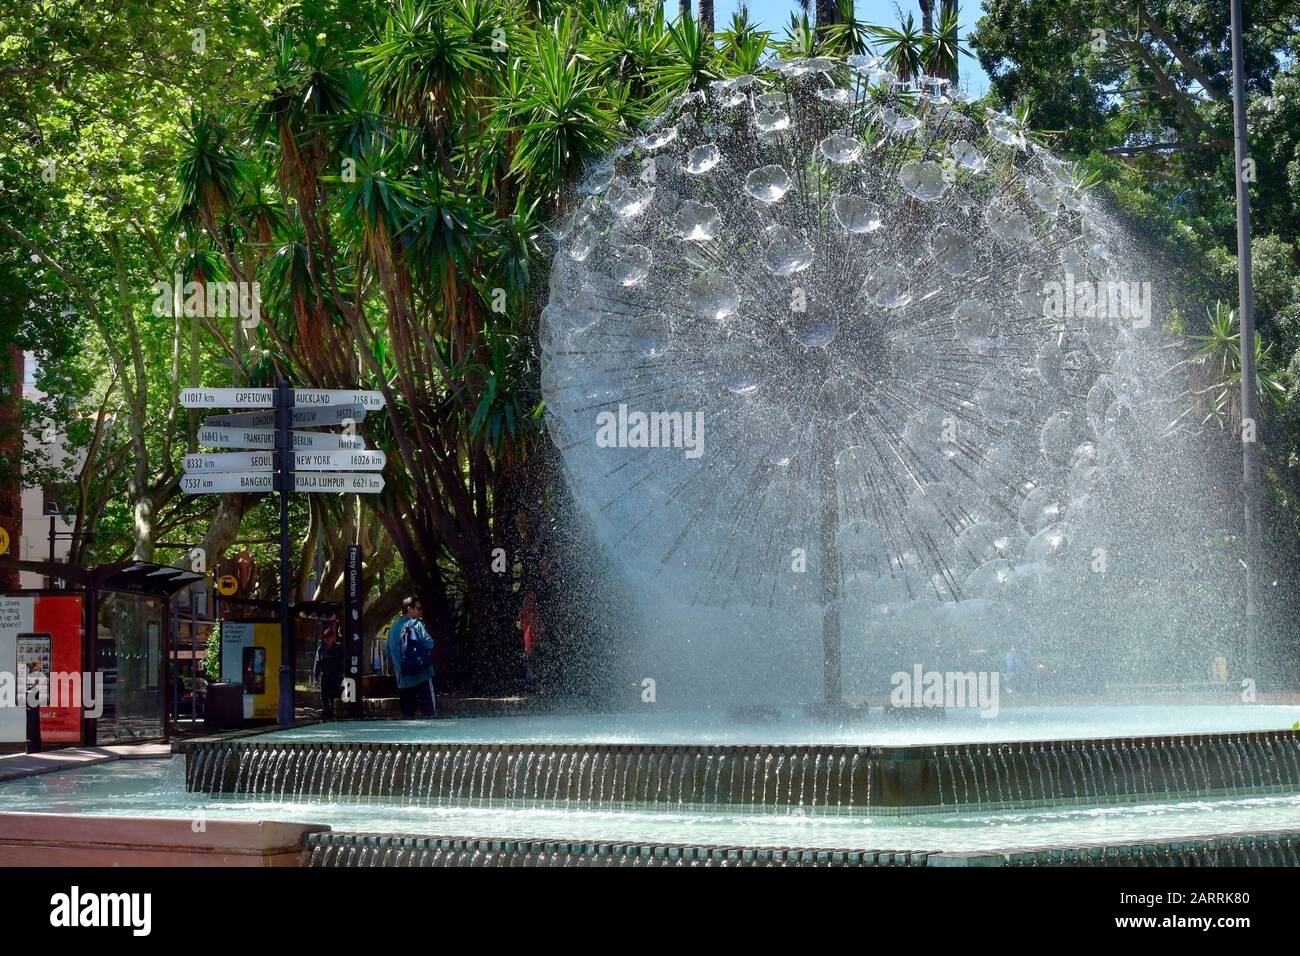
409,648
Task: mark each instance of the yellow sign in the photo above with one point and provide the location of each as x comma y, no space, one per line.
227,585
4,541
250,655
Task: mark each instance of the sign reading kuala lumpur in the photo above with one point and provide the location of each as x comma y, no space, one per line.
357,483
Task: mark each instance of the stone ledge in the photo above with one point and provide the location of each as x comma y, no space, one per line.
14,766
52,839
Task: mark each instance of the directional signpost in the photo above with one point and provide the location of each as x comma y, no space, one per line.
271,450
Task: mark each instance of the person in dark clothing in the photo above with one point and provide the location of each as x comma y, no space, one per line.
328,671
36,693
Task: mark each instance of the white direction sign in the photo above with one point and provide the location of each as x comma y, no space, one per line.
237,437
327,441
306,397
338,482
265,438
227,397
265,397
338,460
321,416
220,461
226,482
228,461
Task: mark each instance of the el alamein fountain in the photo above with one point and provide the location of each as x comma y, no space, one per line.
850,378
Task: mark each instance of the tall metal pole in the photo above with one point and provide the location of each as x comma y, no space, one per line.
285,456
1246,319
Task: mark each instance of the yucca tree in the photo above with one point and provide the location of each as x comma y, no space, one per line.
901,48
743,44
941,47
692,60
1218,360
624,47
213,180
800,37
848,35
293,124
560,111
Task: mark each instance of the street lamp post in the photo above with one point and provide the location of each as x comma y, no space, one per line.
1246,318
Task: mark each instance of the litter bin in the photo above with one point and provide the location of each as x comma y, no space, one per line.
225,706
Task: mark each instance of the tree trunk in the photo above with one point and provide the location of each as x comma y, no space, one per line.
684,8
11,454
706,16
927,16
954,72
824,15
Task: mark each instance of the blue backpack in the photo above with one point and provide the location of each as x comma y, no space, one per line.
415,658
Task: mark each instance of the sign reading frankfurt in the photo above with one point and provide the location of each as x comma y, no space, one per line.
237,437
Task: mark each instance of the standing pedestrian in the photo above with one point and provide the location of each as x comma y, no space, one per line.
328,671
409,647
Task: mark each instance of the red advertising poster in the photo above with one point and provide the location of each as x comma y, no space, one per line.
45,629
61,616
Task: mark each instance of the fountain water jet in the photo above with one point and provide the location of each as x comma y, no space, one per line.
848,283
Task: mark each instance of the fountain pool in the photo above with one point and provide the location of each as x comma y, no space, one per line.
704,728
156,788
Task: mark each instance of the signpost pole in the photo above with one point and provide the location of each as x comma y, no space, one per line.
284,448
330,464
